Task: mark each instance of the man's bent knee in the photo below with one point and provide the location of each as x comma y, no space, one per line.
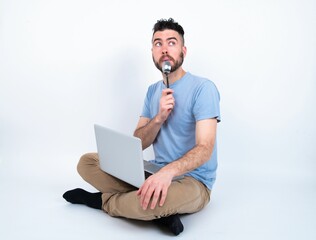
86,161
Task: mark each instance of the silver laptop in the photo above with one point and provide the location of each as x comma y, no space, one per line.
121,156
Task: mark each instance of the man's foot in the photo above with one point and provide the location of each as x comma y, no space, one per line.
80,196
173,223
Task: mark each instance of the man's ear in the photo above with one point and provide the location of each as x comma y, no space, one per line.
184,50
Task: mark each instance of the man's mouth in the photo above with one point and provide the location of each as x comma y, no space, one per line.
163,59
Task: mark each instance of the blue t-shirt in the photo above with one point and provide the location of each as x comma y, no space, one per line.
196,99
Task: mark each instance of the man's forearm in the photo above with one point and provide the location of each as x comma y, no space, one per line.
190,161
148,133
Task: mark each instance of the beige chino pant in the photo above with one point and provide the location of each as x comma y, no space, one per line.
119,199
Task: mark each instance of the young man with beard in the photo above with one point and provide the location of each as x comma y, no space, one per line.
180,122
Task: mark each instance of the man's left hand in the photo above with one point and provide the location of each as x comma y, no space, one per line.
155,187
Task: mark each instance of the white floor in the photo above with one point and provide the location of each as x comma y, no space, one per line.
245,206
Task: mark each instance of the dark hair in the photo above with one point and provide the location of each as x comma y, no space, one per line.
164,24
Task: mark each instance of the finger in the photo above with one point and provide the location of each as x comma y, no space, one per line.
163,196
155,198
139,191
169,97
147,197
167,91
142,192
170,100
170,106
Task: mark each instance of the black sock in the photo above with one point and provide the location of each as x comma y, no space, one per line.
173,223
80,196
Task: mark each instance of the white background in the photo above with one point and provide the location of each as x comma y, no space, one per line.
67,64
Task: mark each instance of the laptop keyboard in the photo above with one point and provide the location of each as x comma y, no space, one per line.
147,174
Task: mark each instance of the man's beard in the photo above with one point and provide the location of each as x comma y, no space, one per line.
177,64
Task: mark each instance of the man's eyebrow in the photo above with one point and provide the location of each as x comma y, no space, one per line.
172,38
168,39
157,39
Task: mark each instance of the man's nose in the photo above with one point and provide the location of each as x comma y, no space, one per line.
164,50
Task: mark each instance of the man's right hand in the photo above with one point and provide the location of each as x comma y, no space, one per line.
147,129
167,103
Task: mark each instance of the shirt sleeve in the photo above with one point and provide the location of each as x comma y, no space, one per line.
206,102
146,108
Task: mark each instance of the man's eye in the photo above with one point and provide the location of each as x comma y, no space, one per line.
157,44
171,43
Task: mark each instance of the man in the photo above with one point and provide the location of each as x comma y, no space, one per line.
180,122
